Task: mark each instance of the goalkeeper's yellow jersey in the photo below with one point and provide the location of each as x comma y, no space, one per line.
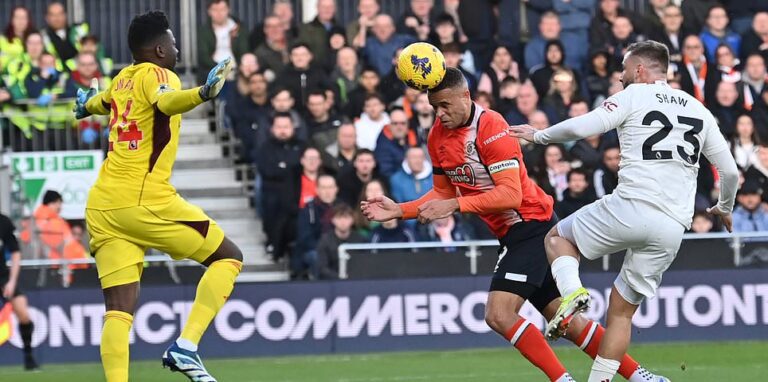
143,101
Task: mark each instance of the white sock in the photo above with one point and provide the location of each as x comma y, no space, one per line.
565,270
603,370
186,344
565,378
642,375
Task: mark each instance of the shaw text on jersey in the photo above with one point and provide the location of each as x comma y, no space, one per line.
665,98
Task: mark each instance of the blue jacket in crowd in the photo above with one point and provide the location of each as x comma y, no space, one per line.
711,42
746,221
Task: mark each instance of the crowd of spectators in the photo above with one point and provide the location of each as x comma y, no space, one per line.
322,105
319,111
40,73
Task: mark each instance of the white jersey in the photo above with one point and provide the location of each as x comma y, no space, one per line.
662,133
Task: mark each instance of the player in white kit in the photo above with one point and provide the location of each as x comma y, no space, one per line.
662,132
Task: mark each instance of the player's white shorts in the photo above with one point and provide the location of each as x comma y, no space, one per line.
612,224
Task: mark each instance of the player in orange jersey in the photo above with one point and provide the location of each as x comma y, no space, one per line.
133,206
478,168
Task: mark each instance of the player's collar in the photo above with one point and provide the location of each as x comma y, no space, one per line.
661,82
474,109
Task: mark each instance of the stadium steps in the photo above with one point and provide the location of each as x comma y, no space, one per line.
206,177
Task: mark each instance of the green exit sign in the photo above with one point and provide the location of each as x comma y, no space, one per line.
78,162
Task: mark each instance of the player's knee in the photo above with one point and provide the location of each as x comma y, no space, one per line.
228,250
500,320
550,240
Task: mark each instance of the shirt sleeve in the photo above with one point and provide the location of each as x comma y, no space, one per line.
162,87
9,238
716,151
100,104
611,114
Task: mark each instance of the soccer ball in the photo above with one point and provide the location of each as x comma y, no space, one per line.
421,66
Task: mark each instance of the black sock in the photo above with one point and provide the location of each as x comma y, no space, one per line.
26,336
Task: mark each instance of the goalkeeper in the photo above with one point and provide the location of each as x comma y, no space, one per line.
133,207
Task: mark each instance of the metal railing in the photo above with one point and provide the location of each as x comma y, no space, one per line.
737,241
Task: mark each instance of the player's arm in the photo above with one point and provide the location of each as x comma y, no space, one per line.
91,101
441,189
716,151
160,88
613,112
99,104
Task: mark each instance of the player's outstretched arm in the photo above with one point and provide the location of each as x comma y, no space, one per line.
383,209
182,101
569,130
89,102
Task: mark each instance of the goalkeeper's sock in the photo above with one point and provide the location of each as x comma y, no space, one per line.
565,271
532,345
603,370
114,345
589,342
212,292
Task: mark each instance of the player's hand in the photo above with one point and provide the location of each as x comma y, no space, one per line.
437,209
9,289
82,98
725,217
380,209
216,78
522,132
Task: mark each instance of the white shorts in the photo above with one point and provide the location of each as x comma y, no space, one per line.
612,224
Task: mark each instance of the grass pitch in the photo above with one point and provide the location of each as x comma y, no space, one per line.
699,362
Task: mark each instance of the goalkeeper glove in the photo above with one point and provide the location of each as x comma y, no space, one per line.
216,78
82,98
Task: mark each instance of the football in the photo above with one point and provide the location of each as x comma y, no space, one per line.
421,66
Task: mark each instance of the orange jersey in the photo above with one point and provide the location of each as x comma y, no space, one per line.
143,137
469,156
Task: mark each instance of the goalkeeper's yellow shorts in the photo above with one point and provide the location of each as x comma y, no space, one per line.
120,237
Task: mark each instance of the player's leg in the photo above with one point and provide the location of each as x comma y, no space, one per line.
616,339
520,271
120,264
121,290
501,314
26,327
588,334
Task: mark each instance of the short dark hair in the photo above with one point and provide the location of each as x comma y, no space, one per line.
51,196
300,45
360,152
655,52
451,47
342,209
281,114
89,38
371,96
368,68
453,79
577,171
317,92
212,2
145,29
279,90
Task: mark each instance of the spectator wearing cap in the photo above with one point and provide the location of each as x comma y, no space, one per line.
751,214
417,20
343,219
577,195
563,91
371,122
273,51
380,48
220,38
756,39
301,76
322,122
279,164
316,34
394,140
716,32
